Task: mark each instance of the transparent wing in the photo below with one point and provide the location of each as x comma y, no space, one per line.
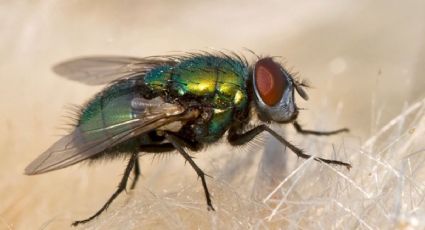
80,145
98,70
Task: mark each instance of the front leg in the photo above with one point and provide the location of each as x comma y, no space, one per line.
239,139
318,133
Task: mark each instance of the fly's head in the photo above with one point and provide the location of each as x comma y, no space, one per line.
274,91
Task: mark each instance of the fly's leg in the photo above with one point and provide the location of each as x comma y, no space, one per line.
136,174
318,133
157,148
121,187
240,139
154,148
235,138
174,140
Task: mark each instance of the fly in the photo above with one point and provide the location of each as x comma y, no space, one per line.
172,103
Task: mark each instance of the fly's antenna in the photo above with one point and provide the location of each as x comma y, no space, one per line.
299,87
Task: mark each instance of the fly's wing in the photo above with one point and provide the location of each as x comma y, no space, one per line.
98,70
80,145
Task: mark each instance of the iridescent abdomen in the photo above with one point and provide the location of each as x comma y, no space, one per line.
110,107
217,83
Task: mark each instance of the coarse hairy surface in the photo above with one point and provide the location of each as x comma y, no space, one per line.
364,61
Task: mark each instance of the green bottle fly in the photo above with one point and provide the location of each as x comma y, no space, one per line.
171,103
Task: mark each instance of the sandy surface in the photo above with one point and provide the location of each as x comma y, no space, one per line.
365,62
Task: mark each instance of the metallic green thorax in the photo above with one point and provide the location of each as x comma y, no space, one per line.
218,83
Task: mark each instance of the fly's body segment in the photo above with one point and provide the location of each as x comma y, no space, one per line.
172,103
216,86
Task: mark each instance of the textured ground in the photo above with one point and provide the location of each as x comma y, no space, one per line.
364,60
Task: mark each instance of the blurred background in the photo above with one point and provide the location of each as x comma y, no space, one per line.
365,61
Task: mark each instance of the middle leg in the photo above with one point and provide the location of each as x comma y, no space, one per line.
176,141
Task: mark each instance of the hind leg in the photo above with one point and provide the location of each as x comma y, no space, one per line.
121,187
159,148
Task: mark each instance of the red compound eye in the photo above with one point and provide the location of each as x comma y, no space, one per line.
269,81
